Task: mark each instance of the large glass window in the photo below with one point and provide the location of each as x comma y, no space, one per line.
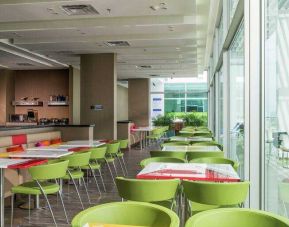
232,8
237,96
276,121
220,106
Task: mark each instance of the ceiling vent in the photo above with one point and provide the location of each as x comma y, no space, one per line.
144,66
154,75
117,44
24,64
77,10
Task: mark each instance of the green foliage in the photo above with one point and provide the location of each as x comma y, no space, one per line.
190,119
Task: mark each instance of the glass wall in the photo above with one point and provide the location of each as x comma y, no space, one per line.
220,106
276,162
237,97
232,8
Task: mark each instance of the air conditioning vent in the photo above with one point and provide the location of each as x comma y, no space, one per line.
24,64
154,75
76,10
117,44
144,66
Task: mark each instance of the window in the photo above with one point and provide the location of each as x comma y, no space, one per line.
179,95
220,106
237,96
276,191
232,8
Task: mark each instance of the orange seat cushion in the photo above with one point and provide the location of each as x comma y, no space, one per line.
42,143
56,141
18,148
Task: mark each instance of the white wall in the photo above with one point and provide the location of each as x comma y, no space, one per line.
122,103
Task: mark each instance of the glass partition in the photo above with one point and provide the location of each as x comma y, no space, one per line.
276,159
220,106
237,97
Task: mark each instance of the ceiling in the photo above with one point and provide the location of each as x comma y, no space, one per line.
165,37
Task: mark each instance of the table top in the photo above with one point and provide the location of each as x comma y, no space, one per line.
144,129
190,171
40,154
48,148
81,143
191,148
190,139
6,163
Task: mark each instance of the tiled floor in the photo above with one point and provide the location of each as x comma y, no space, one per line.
42,217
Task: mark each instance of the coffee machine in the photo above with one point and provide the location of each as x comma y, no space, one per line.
32,115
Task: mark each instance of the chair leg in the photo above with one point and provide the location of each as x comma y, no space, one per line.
29,201
122,169
48,203
124,164
102,180
86,190
93,174
62,203
12,209
110,172
76,189
114,168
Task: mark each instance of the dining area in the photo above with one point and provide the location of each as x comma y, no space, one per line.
183,180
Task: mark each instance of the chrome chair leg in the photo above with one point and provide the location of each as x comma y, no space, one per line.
124,164
61,199
102,180
93,174
86,190
122,169
110,172
76,189
12,209
48,203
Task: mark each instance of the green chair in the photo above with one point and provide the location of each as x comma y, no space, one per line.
209,143
128,213
209,195
155,135
123,145
204,154
97,155
237,217
171,154
111,155
146,161
215,160
76,161
177,143
44,183
161,192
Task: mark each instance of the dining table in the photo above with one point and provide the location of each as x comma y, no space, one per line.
6,163
191,148
82,143
189,171
144,131
191,139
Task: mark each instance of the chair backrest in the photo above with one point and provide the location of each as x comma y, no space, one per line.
123,144
171,154
203,154
98,152
147,190
112,148
217,160
127,213
52,170
146,161
78,159
237,217
215,193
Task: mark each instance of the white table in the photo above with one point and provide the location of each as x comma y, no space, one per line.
191,148
5,164
191,139
190,171
143,131
48,148
47,154
81,143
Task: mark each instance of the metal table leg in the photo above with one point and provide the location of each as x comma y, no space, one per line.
1,197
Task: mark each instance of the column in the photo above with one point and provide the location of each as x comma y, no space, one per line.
98,89
138,101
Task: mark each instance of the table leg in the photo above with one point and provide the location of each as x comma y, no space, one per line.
36,202
141,140
2,197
